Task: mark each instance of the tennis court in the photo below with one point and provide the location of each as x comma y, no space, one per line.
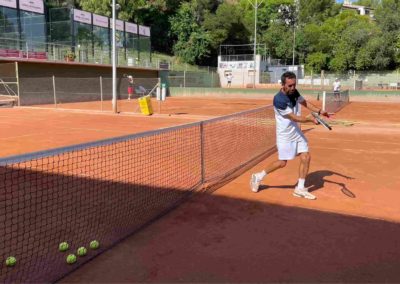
30,129
351,233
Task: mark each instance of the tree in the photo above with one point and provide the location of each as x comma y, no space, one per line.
317,11
368,3
387,15
195,49
279,41
192,41
226,26
317,61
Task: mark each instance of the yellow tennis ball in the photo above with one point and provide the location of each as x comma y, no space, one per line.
81,251
94,244
63,246
11,261
71,258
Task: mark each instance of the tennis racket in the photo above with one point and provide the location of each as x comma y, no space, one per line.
321,121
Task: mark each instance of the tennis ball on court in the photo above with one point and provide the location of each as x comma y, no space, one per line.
63,246
81,251
11,261
71,258
94,244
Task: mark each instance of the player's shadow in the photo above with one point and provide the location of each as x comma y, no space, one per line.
316,181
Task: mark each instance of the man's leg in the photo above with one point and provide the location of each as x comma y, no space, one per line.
305,159
257,177
300,190
129,93
287,150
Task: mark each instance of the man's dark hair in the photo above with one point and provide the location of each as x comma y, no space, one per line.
287,75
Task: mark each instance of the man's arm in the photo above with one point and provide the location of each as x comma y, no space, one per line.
300,119
313,108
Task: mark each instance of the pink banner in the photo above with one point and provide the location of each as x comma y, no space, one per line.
35,6
131,28
145,31
82,16
100,21
9,3
119,25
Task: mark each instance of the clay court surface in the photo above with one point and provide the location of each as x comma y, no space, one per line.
29,129
351,233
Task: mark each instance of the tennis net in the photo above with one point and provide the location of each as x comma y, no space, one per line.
335,101
106,190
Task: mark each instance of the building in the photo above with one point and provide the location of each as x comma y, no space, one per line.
238,64
30,29
361,10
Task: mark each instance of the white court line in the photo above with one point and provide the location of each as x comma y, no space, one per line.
20,136
364,141
355,151
62,129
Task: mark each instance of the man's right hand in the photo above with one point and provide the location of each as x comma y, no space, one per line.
312,119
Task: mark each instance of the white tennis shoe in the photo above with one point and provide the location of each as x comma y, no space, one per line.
255,182
303,193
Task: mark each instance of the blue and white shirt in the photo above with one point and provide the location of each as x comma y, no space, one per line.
286,129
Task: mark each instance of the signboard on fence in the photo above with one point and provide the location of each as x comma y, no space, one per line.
145,31
82,16
131,28
119,25
9,3
237,65
35,6
100,21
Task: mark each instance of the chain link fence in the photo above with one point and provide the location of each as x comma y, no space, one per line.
187,79
58,90
354,80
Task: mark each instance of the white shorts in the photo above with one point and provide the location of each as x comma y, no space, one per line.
289,150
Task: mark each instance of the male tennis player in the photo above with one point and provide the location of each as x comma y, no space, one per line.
291,141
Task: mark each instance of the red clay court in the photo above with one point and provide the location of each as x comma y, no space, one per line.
351,233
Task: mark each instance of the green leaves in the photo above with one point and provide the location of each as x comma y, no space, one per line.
317,61
192,41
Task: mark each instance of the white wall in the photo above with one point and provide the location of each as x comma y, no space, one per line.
242,71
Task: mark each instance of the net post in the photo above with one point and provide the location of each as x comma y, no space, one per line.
323,100
202,152
54,91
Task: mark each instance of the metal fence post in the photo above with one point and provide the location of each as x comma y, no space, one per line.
101,92
54,91
17,77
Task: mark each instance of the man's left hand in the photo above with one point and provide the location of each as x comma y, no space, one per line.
324,113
